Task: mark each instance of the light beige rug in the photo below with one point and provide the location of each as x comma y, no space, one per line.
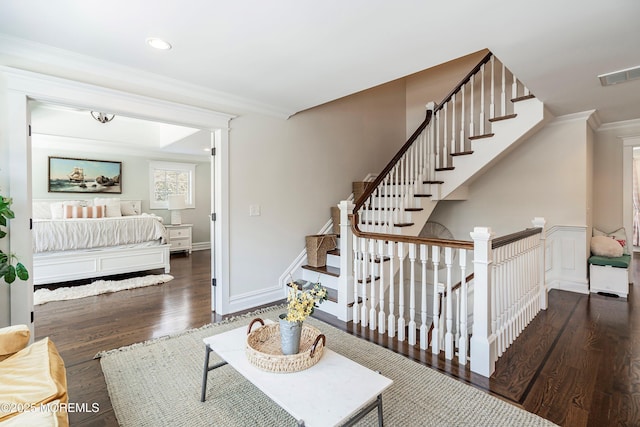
157,383
41,296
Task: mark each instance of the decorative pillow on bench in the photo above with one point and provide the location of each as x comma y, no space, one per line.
605,246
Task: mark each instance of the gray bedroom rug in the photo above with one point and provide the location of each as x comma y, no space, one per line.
157,383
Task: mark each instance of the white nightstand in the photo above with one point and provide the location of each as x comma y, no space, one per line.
180,237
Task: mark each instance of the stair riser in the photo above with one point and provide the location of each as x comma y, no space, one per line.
326,280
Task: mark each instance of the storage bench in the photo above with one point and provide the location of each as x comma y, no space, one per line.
609,275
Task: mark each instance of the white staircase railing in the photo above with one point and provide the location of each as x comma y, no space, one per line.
403,287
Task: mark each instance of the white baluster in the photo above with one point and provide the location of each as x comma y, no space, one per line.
464,310
401,322
382,325
412,294
500,297
445,138
385,207
514,88
372,271
435,334
481,118
492,107
453,124
392,317
472,105
448,338
503,94
364,311
356,270
424,329
462,121
438,157
432,149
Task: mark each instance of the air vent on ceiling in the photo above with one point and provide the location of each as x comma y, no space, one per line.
620,76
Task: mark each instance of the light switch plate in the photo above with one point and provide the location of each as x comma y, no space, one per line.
254,210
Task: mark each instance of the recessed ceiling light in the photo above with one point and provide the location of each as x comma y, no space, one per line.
619,76
157,43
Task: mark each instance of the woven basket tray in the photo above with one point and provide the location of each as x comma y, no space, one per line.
264,351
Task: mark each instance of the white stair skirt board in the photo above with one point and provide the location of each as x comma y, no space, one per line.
98,287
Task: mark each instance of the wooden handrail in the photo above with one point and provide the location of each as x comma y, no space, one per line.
462,244
514,237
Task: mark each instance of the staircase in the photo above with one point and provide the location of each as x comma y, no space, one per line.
488,114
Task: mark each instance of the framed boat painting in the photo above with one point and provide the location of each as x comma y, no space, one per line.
67,175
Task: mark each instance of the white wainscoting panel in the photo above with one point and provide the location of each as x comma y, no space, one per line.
566,258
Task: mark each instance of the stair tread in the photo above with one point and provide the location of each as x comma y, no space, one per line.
377,259
522,98
335,252
400,224
507,117
461,153
486,135
369,279
433,182
422,195
328,270
448,168
392,208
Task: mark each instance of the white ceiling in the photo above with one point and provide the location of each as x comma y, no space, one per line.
284,56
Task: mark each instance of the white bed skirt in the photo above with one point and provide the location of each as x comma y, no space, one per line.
65,266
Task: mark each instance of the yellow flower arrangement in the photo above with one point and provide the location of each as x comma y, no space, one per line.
301,303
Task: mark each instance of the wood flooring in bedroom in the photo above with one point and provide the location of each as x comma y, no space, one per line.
578,363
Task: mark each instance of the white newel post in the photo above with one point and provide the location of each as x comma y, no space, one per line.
346,285
539,222
483,352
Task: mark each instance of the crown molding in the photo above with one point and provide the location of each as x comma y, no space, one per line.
620,126
69,64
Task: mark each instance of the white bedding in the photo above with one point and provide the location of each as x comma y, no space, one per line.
72,234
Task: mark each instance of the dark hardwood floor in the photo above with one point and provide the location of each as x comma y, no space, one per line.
576,364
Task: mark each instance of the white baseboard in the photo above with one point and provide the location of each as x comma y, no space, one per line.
201,246
571,286
254,299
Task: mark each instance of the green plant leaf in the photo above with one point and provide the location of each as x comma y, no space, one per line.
4,268
4,258
22,272
10,276
2,234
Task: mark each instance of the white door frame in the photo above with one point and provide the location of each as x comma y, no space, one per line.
628,142
22,86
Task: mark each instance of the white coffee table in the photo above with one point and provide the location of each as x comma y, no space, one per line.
337,391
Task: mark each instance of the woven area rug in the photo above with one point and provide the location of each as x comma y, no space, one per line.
157,383
98,287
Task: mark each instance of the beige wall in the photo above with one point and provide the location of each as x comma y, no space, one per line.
296,169
545,176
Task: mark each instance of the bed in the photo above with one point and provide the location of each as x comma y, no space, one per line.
81,239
